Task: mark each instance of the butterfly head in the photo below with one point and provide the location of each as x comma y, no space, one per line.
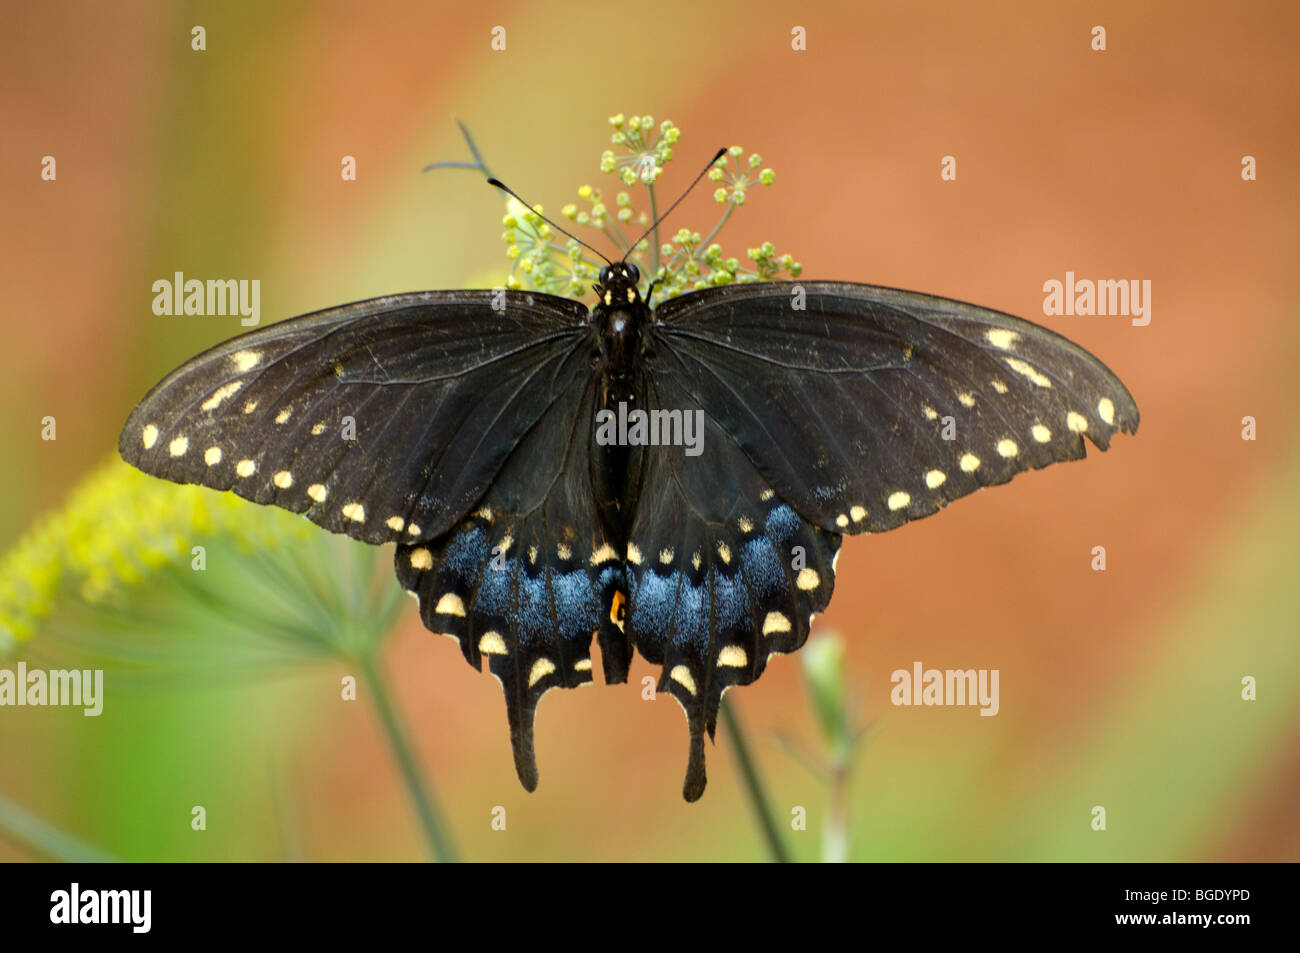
618,283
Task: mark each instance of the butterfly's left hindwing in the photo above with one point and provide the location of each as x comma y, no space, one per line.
529,576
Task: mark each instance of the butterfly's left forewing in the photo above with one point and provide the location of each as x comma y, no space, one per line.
385,419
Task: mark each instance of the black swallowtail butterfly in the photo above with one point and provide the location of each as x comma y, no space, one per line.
823,408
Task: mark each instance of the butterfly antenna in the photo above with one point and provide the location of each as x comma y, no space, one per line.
509,191
720,153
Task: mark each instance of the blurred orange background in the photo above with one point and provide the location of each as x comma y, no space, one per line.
1119,688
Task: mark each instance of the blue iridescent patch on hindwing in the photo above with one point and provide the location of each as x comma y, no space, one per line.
508,592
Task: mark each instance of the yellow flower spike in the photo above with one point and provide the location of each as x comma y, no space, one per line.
117,528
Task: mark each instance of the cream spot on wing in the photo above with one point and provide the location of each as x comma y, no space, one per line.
604,554
1002,338
835,560
317,492
395,523
283,479
935,479
682,676
564,551
491,643
1076,422
413,530
733,656
998,386
178,446
1028,370
767,495
212,456
220,394
898,500
507,541
1041,433
582,665
775,622
149,436
666,555
1008,448
532,555
842,520
807,580
355,512
634,554
541,668
724,553
967,399
1106,408
317,429
746,526
250,406
421,559
246,360
245,468
859,513
450,604
969,463
484,513
284,415
695,560
930,412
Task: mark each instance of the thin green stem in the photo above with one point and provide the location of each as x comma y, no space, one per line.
654,219
45,839
754,786
835,836
426,807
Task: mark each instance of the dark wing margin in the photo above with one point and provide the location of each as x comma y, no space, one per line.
384,420
873,406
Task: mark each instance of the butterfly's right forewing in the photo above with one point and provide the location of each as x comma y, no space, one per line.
866,407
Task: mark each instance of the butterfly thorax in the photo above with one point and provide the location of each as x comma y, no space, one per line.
618,322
